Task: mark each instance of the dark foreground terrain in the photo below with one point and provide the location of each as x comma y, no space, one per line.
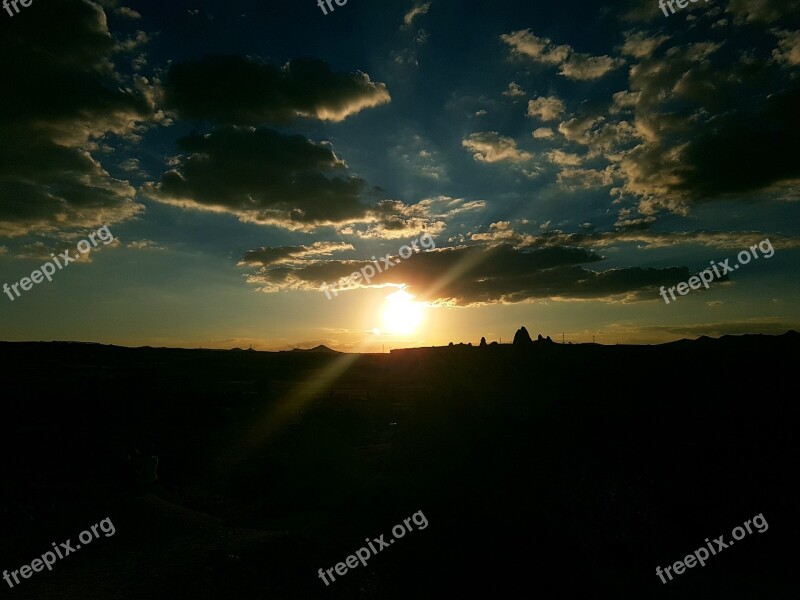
548,471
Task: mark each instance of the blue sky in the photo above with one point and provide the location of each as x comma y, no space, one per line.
568,158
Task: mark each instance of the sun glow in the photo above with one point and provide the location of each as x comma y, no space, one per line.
402,315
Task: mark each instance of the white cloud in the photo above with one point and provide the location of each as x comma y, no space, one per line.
491,147
546,108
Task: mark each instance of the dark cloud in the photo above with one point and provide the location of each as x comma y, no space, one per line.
762,11
746,151
59,34
248,91
632,231
61,96
45,186
481,274
262,176
700,121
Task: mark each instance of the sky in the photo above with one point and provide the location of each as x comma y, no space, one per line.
552,165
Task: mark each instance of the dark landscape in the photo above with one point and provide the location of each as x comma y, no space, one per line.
258,260
543,469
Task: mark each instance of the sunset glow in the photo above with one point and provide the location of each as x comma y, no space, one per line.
401,314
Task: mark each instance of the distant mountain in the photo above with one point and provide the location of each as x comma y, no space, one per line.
751,340
320,348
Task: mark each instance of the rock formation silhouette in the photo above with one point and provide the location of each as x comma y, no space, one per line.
522,337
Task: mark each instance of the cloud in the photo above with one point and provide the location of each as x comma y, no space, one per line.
469,275
144,245
585,67
600,136
65,97
499,232
640,44
744,151
132,165
559,157
788,51
762,11
637,231
547,108
248,91
514,90
623,101
57,243
695,125
392,219
541,50
415,39
265,257
128,13
574,65
578,129
419,8
287,181
640,10
491,147
575,179
417,157
543,133
262,176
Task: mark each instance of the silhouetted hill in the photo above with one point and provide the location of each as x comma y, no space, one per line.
569,470
320,348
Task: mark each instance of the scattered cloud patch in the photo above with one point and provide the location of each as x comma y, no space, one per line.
547,108
64,99
514,90
491,147
265,256
573,65
419,8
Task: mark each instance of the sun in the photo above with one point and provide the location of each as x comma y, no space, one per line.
401,314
